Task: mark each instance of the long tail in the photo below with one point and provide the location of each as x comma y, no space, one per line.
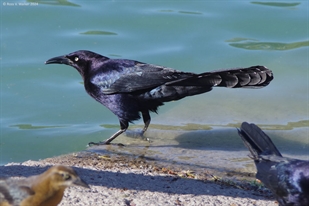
257,141
251,77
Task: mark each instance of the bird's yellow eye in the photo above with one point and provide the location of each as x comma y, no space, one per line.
76,59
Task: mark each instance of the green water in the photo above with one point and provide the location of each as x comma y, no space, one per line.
46,112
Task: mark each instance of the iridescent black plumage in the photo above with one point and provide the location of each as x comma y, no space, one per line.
287,178
130,88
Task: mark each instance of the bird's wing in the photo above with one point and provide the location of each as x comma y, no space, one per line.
14,191
138,77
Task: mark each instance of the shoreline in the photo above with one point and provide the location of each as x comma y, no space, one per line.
135,181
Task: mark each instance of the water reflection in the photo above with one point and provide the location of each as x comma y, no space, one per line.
181,12
278,4
252,44
30,126
98,33
288,126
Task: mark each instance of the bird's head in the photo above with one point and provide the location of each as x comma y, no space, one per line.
82,60
62,177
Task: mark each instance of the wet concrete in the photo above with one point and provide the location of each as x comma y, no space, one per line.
204,149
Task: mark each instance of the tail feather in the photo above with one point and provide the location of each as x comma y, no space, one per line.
255,76
257,141
251,77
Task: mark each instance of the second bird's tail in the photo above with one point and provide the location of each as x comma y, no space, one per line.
257,141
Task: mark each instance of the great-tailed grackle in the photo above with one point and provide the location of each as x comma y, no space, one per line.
129,87
39,190
287,178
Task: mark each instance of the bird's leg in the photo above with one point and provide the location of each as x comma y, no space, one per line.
147,119
123,127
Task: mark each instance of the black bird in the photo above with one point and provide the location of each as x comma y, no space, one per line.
287,178
130,88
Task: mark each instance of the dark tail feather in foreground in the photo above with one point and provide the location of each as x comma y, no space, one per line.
257,141
287,178
252,77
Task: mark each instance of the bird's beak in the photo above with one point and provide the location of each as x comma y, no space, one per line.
58,60
81,182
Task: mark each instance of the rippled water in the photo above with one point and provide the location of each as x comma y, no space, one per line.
45,110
